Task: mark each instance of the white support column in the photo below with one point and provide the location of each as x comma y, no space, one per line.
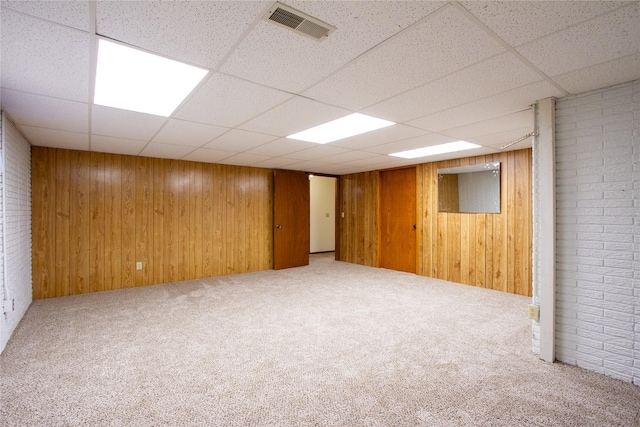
547,226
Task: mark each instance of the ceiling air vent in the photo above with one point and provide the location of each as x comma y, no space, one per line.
299,22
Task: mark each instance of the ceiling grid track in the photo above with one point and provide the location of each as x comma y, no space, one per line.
507,46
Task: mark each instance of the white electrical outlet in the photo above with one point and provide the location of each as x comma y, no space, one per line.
138,265
8,306
534,312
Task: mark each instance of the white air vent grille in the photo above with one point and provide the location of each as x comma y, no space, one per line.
299,22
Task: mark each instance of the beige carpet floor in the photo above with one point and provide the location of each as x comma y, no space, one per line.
331,344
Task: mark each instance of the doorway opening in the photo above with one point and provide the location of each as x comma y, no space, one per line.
322,214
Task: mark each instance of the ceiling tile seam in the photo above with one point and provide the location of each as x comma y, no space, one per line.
577,24
471,102
38,18
184,101
47,128
489,58
245,34
198,148
16,126
443,131
589,66
93,66
506,45
377,46
42,95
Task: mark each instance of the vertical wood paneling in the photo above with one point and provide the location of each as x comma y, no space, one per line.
43,225
359,202
79,235
184,259
62,230
157,255
195,217
95,215
113,234
171,220
143,220
97,223
128,221
219,217
523,231
485,250
511,222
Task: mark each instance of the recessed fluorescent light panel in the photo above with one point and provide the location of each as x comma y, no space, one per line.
131,79
351,125
450,147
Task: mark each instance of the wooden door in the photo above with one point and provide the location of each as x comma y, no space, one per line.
290,219
397,233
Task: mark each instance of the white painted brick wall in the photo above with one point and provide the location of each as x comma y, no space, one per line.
16,249
597,231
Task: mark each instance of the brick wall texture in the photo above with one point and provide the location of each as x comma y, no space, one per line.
16,249
598,231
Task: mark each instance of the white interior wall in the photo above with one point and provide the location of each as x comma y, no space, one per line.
15,195
323,209
598,231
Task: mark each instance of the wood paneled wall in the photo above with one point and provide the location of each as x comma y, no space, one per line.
96,215
486,250
358,194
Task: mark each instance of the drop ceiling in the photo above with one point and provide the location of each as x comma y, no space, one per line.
444,71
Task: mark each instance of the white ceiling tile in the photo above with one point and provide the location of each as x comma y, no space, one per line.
487,108
166,151
118,123
43,137
240,140
492,76
383,161
518,22
276,163
317,152
197,32
349,156
443,43
180,132
280,58
500,139
519,120
244,159
314,166
381,136
227,101
44,58
411,143
482,151
108,144
293,116
207,155
70,13
602,39
597,76
45,112
280,147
